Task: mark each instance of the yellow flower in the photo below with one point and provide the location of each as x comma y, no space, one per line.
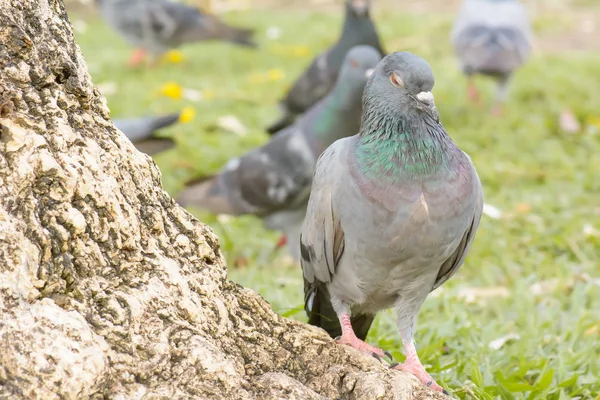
187,114
300,51
174,56
208,94
275,74
594,121
172,90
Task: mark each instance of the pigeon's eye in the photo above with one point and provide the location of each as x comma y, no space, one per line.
354,63
396,80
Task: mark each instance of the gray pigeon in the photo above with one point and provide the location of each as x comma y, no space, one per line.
492,37
322,73
392,212
273,181
141,132
157,26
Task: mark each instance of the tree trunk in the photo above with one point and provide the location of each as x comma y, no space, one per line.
109,289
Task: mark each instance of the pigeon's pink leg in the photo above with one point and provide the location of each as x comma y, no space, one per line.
497,110
472,91
137,57
349,338
282,242
413,365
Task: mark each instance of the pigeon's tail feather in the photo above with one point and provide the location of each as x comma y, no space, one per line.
214,29
243,37
164,121
283,122
205,193
320,313
154,145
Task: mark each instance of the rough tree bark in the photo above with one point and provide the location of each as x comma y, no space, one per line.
108,289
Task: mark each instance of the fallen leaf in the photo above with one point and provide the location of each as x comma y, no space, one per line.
523,208
232,124
497,344
192,95
108,88
273,32
492,211
479,295
80,26
545,287
590,231
568,122
224,218
592,330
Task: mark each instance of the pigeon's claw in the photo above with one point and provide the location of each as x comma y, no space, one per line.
472,92
349,338
137,57
362,346
388,355
416,368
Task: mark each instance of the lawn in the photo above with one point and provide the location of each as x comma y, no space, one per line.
521,319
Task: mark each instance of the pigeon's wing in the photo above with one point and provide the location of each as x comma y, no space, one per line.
142,128
274,177
322,239
458,257
311,86
154,146
322,245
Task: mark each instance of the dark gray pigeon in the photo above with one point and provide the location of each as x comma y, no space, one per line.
273,181
157,26
322,73
492,37
141,132
392,213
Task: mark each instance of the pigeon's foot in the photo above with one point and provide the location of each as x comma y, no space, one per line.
137,57
349,338
416,368
473,93
413,365
282,242
360,345
497,110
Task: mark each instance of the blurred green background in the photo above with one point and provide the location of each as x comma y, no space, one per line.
521,320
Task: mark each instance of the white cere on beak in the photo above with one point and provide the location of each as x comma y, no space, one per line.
369,72
425,97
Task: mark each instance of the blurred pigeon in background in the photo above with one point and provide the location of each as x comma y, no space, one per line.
157,26
392,213
273,181
492,37
320,77
141,132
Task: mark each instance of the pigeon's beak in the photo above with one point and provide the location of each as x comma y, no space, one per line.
369,72
360,7
426,101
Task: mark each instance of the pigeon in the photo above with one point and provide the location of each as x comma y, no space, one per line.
273,181
492,37
157,26
141,132
322,73
392,213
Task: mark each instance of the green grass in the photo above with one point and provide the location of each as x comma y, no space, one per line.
545,181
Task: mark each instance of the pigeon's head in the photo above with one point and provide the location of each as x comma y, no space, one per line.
358,66
402,82
359,8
